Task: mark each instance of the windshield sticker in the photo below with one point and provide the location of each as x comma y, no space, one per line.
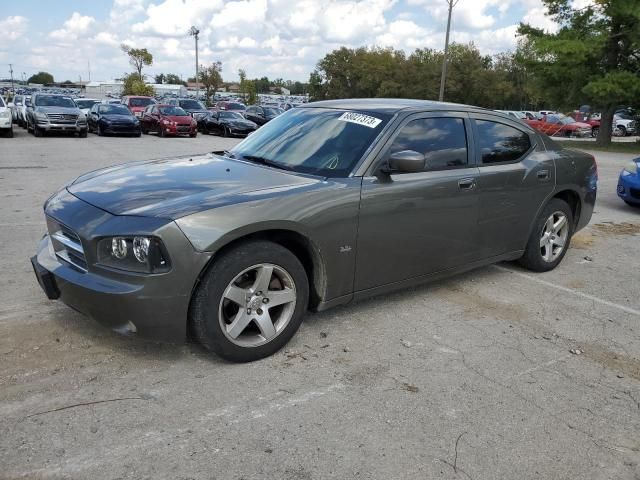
360,119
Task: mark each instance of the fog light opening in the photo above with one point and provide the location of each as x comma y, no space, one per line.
620,189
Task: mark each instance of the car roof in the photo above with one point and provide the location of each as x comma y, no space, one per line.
394,105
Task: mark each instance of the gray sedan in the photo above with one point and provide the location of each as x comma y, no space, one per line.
327,203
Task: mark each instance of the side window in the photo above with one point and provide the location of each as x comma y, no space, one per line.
501,143
442,141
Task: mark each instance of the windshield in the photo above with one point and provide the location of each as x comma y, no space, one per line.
173,111
319,141
86,103
114,110
140,102
233,115
191,105
235,106
54,101
567,120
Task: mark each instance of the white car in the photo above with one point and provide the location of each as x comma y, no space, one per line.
85,104
515,114
547,112
6,120
623,125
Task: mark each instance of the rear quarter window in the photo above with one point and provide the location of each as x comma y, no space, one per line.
501,143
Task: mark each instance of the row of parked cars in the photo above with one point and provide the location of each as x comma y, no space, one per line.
576,124
133,115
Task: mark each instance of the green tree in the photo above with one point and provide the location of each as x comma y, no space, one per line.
211,78
134,86
595,55
138,58
173,79
160,78
41,78
243,82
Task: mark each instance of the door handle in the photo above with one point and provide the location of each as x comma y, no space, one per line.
543,174
467,183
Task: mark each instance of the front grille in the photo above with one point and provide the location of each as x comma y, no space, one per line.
635,193
62,117
67,245
184,129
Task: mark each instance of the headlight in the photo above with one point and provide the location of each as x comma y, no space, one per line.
42,116
5,114
630,168
134,254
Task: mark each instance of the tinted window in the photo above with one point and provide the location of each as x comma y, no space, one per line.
173,111
55,101
235,106
501,143
442,141
115,110
233,115
85,103
321,141
191,105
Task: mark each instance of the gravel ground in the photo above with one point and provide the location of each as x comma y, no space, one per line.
468,378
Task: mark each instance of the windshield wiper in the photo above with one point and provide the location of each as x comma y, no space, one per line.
265,161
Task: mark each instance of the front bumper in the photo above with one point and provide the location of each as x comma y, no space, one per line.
62,127
629,188
180,130
5,122
153,306
122,129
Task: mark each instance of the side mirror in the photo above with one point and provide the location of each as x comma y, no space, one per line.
28,103
406,161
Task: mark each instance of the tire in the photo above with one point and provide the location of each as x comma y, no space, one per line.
100,131
29,129
82,134
161,133
37,132
594,132
210,308
620,132
193,135
144,131
539,258
225,132
634,205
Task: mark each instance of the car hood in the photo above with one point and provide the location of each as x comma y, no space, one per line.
63,110
238,123
173,188
178,119
119,118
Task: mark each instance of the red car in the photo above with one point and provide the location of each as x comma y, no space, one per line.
168,120
229,107
559,125
588,119
137,104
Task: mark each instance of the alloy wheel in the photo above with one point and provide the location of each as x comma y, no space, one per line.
553,239
257,305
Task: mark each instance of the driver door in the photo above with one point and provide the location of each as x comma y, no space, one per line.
416,224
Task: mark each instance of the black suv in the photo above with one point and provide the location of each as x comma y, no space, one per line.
192,107
54,113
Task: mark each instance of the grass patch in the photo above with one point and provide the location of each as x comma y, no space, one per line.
617,147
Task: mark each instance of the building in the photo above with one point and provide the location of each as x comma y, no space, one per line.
166,89
104,89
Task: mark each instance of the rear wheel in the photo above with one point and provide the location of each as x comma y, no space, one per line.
550,237
619,131
250,302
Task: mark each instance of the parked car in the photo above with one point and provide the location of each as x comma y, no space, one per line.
54,113
6,120
515,114
22,111
629,183
192,107
15,105
560,125
544,113
228,106
168,120
261,115
330,202
85,104
590,120
137,104
105,119
227,124
531,115
623,125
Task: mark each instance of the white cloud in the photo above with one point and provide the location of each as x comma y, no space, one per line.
244,13
76,26
175,17
466,13
13,27
106,38
536,18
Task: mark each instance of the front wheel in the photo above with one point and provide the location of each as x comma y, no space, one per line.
631,204
550,237
250,302
594,132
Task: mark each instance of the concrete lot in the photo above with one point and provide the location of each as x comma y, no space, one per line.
466,378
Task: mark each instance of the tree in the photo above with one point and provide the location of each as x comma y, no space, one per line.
133,85
595,54
138,58
243,82
159,78
41,78
211,78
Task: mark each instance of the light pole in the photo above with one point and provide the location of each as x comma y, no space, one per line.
194,32
451,3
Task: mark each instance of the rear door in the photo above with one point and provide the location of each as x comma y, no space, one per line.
515,177
414,224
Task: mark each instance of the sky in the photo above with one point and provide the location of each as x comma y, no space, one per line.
273,38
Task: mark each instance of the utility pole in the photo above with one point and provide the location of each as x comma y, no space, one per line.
452,3
194,32
11,72
89,68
